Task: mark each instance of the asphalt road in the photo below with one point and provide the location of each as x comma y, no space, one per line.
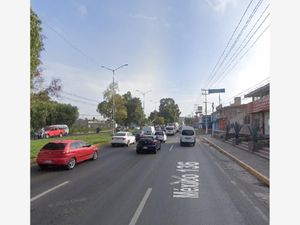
177,186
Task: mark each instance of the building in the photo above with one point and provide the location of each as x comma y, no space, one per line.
260,108
236,112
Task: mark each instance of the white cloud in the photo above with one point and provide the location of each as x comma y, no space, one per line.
220,5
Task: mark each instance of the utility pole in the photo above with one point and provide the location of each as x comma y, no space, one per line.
205,92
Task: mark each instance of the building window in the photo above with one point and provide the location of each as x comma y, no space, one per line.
247,119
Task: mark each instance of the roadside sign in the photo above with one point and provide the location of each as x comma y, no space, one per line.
212,91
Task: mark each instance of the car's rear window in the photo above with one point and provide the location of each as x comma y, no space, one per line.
54,146
188,132
169,128
120,134
159,133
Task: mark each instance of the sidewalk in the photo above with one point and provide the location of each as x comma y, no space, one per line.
253,163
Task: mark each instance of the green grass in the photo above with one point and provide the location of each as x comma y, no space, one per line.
36,145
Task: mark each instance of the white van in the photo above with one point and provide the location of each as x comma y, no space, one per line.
170,130
187,136
148,131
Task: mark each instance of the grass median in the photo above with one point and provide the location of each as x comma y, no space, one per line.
101,138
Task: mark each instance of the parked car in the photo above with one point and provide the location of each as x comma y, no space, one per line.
161,135
187,136
148,144
66,153
53,131
123,138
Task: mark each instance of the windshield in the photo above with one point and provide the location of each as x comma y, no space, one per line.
188,132
169,128
54,146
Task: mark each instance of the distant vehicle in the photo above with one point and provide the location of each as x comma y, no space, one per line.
148,144
63,127
53,131
148,131
170,130
123,138
161,135
187,136
65,153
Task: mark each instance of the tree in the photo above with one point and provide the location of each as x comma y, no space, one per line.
169,110
44,113
36,44
105,107
135,113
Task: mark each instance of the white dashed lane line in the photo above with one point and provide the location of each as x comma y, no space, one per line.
49,190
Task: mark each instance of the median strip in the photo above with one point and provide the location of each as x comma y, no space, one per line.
49,190
263,179
140,208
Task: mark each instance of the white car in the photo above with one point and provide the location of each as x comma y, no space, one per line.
187,136
123,138
161,135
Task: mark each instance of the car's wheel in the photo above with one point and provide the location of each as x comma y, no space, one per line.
155,151
42,167
71,164
181,144
137,152
95,155
113,145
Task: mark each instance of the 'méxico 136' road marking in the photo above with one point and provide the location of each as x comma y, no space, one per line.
188,181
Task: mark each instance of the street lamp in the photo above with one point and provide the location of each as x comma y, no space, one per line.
155,102
113,95
143,93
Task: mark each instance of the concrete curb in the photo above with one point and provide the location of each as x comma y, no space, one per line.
263,179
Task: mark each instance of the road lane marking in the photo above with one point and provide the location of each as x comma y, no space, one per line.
171,147
140,208
49,190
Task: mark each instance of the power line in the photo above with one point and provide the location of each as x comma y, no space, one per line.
244,54
230,63
70,44
237,52
77,96
212,72
260,84
238,37
75,100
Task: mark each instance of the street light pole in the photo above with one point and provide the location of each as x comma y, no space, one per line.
143,93
113,95
155,102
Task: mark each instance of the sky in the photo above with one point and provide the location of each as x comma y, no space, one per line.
171,48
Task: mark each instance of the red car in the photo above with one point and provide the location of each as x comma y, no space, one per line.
66,153
54,132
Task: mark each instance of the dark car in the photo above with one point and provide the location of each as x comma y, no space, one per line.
148,144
